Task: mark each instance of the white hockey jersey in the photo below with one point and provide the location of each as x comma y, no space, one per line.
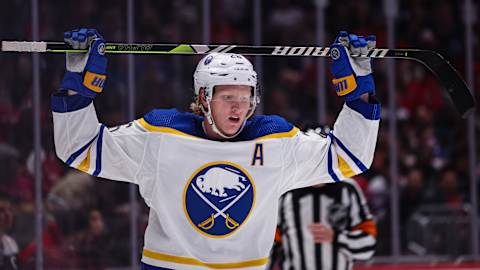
212,204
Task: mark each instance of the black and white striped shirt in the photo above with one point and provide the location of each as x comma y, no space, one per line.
343,207
8,253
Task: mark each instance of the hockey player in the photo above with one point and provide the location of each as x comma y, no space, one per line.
212,179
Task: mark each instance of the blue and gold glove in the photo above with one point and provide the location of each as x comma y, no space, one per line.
352,75
86,72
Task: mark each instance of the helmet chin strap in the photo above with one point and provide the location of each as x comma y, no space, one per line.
211,122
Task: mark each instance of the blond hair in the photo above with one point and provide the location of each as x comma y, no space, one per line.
196,106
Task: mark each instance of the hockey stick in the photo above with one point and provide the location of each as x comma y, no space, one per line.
457,89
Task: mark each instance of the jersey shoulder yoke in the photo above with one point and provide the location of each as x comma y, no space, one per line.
267,126
172,121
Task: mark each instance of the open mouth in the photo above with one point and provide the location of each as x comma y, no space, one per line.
234,119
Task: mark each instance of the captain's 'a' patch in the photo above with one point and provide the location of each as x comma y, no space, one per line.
218,198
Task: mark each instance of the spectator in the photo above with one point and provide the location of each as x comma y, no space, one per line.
448,192
8,246
412,193
93,243
65,205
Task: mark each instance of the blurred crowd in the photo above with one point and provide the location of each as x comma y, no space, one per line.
87,219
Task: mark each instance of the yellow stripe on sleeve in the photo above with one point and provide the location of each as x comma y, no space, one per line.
345,168
85,164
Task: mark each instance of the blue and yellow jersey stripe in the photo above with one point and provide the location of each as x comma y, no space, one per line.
84,165
346,163
288,134
195,262
149,127
170,130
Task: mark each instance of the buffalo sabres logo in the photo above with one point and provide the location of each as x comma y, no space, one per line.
218,198
335,53
101,49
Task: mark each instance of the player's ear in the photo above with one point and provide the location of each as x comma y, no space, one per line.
202,98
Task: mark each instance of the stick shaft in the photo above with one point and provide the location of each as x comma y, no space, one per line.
446,73
188,49
192,49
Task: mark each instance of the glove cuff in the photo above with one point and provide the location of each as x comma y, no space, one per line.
88,85
97,64
357,86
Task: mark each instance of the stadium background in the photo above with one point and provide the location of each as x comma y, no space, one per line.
420,184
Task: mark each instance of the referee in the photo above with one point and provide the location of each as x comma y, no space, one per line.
324,227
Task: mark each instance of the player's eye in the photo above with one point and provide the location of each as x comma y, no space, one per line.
244,99
232,98
228,98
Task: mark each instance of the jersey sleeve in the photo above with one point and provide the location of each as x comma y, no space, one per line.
310,159
87,145
358,241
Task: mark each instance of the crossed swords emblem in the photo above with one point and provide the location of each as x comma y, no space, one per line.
210,221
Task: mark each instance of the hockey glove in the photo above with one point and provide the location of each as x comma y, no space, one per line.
86,72
352,75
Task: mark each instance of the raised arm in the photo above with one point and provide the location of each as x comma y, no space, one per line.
347,150
80,140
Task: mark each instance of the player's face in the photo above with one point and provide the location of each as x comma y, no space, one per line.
6,216
230,105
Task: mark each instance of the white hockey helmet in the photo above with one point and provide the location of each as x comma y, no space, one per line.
224,69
